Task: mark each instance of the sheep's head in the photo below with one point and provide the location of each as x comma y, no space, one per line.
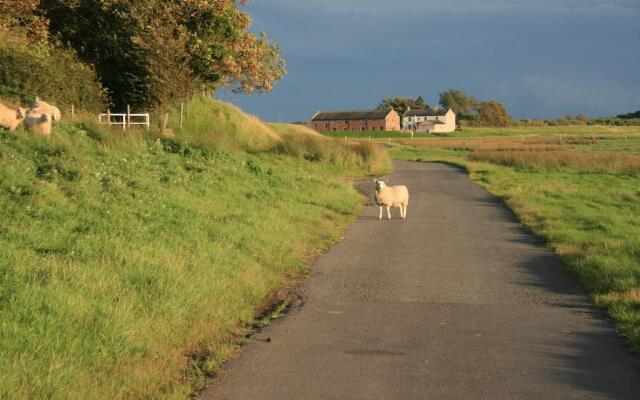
379,185
20,113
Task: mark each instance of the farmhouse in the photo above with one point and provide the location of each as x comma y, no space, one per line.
428,121
374,120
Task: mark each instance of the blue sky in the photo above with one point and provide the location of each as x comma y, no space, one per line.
541,58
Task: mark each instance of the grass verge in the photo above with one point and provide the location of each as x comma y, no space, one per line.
582,196
131,265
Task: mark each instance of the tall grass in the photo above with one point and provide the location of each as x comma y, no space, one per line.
582,196
132,265
350,156
561,160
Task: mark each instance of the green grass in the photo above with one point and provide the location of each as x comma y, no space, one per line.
367,134
131,266
544,131
589,215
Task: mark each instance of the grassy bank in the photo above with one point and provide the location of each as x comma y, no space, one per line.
581,195
131,266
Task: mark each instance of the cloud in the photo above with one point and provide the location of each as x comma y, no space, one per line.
599,97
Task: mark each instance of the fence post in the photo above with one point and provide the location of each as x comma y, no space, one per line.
73,112
129,116
108,117
164,126
181,112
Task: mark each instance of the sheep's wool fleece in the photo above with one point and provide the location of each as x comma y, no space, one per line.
392,196
9,118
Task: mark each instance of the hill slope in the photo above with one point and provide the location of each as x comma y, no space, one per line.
132,265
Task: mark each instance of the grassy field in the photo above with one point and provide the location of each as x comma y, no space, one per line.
579,193
131,266
491,132
367,134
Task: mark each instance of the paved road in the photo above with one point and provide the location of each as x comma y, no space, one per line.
457,302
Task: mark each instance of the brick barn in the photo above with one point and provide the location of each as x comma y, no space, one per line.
375,120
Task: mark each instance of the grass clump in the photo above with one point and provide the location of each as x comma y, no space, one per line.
582,196
213,123
351,156
132,265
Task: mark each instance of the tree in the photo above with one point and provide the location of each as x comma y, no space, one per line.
150,52
461,103
492,113
402,104
630,115
24,15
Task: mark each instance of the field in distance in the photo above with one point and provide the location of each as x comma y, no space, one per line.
490,132
580,192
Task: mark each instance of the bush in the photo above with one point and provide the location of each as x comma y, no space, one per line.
53,73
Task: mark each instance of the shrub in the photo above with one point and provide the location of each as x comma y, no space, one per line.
29,69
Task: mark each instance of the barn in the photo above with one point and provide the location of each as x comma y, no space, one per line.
369,120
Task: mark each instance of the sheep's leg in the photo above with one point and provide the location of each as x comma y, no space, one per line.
388,212
380,217
401,211
405,212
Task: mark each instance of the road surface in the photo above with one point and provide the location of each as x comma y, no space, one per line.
457,302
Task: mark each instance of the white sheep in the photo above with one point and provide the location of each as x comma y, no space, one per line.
391,196
10,118
39,123
42,107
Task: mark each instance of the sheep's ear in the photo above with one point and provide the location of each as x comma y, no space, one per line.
375,180
18,112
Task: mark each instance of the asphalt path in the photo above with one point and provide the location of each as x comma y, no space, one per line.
457,302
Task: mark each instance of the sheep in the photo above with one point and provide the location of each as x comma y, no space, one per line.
39,123
10,118
42,107
391,196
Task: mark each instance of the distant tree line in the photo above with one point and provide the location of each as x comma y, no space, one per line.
472,112
469,110
147,53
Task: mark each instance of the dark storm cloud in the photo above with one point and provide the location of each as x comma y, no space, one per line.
541,58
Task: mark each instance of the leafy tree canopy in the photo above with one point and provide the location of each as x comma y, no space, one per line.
402,104
461,103
630,115
492,113
149,52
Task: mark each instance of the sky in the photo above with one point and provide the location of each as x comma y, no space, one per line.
541,58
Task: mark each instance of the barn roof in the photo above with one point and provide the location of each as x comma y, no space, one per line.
426,113
350,115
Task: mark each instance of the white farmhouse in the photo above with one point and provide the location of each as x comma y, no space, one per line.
429,121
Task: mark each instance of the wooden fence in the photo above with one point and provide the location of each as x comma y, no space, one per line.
125,120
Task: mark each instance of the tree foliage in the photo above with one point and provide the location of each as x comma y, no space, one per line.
29,69
462,104
492,113
150,52
402,104
630,115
